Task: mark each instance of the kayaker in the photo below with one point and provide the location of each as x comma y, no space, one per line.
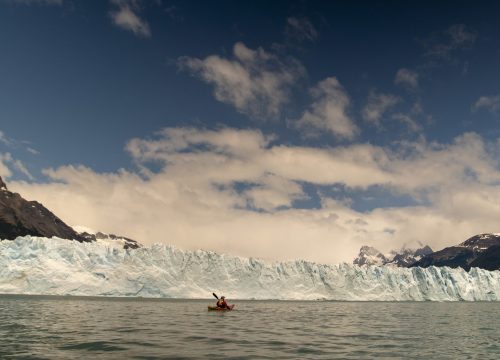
222,304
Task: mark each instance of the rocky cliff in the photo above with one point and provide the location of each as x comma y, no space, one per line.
20,217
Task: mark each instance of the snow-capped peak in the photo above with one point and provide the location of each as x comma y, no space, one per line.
404,257
481,242
84,229
368,255
108,239
407,256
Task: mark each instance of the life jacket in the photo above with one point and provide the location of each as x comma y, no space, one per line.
221,303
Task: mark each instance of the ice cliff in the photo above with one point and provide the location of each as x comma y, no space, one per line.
31,265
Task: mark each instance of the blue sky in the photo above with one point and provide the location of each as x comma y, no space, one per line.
380,116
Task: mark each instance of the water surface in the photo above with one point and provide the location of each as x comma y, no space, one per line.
106,328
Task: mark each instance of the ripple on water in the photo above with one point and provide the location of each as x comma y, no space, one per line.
64,328
93,346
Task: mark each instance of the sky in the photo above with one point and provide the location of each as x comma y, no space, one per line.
279,130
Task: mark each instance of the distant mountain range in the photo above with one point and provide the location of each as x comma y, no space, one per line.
20,217
404,257
481,251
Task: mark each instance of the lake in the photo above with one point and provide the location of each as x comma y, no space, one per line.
39,327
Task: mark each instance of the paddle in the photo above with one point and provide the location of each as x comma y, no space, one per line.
215,296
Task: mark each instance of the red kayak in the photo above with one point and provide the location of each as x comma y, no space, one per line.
215,308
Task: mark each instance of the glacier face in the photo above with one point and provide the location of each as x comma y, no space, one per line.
31,265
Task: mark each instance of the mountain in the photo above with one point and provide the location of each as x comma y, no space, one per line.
111,239
19,217
488,259
368,255
43,266
478,251
404,257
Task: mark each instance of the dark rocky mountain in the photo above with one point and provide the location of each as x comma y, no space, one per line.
481,251
489,259
481,242
19,217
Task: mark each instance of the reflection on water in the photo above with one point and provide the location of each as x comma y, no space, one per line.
64,328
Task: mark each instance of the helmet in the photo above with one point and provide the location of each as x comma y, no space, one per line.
222,297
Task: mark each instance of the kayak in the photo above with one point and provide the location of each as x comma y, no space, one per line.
215,308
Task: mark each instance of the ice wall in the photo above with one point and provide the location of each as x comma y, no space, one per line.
31,265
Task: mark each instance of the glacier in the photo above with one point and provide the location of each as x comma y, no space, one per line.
33,265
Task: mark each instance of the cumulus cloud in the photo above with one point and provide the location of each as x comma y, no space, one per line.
300,29
491,103
234,191
328,112
256,82
273,192
377,105
125,15
406,78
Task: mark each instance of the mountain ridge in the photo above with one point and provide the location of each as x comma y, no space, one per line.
477,251
403,257
20,217
481,251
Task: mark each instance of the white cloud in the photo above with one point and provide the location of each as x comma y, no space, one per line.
407,78
256,82
5,172
491,103
8,163
300,29
14,144
461,36
126,17
32,151
377,105
412,125
19,166
441,46
328,112
194,201
273,192
4,139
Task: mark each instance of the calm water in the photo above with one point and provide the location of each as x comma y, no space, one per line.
68,328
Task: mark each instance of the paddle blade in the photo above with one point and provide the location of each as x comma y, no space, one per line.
215,296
